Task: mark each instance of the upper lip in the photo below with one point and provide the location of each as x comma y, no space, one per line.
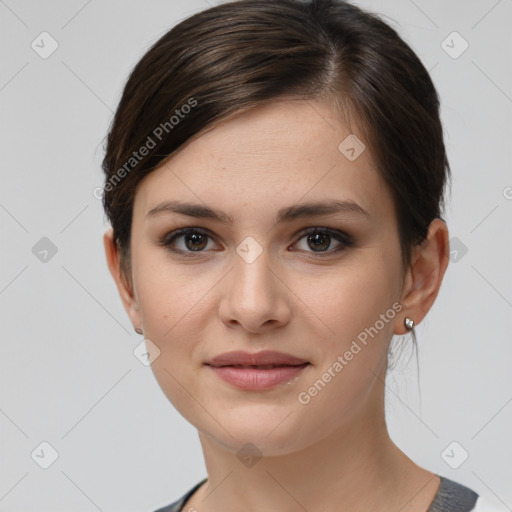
262,358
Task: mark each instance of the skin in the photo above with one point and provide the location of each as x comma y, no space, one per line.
293,298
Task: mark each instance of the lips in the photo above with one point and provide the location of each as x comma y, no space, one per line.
257,371
256,366
266,359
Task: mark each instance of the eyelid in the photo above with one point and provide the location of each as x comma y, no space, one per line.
342,237
171,236
325,229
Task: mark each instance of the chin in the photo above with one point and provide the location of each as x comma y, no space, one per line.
266,437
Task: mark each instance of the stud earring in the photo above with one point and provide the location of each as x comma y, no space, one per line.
138,331
409,323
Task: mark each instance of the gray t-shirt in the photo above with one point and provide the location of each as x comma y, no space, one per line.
450,497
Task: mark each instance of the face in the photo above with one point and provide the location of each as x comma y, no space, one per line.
318,286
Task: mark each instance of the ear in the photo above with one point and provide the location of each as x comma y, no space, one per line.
424,276
124,287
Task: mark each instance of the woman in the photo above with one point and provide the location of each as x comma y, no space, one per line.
275,175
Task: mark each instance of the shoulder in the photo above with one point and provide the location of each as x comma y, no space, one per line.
177,505
454,497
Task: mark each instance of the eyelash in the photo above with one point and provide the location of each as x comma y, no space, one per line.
345,240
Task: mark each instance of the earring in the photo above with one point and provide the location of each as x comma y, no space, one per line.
138,331
409,323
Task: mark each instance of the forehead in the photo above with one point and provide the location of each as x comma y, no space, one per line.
280,153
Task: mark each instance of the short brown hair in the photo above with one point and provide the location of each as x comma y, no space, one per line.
241,54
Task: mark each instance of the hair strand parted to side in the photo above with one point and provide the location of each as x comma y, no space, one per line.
238,55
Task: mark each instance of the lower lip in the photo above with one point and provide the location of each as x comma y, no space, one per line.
254,379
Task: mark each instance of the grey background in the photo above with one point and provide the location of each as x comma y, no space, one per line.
68,373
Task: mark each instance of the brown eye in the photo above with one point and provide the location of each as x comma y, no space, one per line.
319,240
193,240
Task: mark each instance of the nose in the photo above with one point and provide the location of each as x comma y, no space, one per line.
255,297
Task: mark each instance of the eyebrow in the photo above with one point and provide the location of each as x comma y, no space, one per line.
286,214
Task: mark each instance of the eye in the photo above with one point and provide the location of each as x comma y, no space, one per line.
195,240
320,239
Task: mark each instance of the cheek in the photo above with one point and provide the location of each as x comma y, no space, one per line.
172,302
347,380
169,294
357,307
352,300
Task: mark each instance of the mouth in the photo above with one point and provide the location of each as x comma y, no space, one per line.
265,358
258,377
260,366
